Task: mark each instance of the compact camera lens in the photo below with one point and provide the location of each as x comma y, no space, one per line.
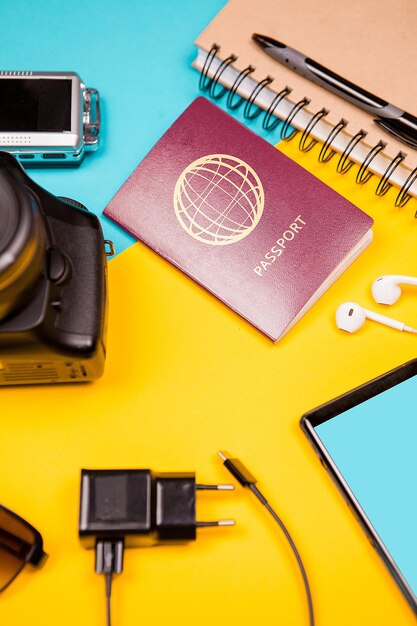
22,244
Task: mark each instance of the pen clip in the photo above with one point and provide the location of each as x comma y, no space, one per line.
399,130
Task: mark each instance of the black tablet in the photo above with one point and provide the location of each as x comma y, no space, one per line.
367,441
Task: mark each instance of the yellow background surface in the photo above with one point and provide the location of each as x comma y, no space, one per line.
184,377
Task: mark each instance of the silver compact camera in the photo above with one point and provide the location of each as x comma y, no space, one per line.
48,118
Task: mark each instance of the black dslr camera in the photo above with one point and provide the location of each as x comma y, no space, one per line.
52,284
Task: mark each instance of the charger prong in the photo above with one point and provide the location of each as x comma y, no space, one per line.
215,487
221,522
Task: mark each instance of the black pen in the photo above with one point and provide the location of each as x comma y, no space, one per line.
394,120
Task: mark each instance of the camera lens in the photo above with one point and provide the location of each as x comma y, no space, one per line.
8,225
22,244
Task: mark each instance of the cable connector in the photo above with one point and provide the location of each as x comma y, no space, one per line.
246,479
109,561
238,470
109,556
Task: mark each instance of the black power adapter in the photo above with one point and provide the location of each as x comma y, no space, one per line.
128,508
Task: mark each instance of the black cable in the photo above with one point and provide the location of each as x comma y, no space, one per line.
109,561
246,479
109,579
284,529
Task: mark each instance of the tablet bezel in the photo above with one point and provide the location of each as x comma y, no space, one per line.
325,412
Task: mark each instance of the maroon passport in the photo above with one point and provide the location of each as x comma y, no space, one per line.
242,219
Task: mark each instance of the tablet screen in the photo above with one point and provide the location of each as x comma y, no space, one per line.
374,446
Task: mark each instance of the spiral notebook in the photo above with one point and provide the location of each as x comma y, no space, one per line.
368,42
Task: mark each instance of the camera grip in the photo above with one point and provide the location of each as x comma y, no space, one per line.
83,296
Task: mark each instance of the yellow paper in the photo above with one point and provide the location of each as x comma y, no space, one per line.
184,377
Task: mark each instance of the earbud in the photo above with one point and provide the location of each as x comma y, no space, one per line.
387,290
350,316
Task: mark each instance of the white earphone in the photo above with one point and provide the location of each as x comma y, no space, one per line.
387,290
350,316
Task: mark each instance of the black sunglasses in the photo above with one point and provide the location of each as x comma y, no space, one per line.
20,543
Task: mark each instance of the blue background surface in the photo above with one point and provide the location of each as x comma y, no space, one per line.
374,447
137,53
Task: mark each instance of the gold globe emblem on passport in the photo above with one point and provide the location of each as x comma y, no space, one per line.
219,199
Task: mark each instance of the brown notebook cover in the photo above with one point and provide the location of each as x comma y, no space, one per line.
239,217
372,43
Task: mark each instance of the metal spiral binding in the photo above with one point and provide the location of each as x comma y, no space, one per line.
239,78
384,185
291,115
205,80
364,174
326,153
403,196
252,99
269,113
215,80
308,129
343,165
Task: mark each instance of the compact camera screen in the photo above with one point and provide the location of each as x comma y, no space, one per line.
41,105
48,119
